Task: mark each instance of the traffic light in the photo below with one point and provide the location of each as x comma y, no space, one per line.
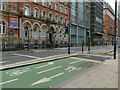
66,30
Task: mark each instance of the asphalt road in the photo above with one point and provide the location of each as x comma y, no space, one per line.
14,58
44,75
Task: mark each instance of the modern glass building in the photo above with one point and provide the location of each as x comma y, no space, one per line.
79,22
96,23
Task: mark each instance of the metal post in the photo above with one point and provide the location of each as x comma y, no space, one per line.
89,44
28,40
82,45
12,40
69,32
115,29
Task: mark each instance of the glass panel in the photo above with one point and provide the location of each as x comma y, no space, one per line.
26,31
35,32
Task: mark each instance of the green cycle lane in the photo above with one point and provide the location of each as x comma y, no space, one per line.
43,75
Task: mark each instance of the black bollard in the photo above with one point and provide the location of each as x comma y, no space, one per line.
82,45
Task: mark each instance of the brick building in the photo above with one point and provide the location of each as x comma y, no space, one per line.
34,22
108,24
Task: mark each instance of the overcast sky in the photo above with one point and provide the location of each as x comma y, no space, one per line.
112,3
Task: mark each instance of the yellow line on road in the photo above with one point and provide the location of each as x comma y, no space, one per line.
86,59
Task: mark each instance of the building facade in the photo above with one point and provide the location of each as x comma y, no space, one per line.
96,32
109,17
80,22
36,23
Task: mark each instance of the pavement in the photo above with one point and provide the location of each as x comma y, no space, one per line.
94,69
104,75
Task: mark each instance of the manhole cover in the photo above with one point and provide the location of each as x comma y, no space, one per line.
90,64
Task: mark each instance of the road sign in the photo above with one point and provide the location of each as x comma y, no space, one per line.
14,23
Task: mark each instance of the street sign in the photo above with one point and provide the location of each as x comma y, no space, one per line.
13,23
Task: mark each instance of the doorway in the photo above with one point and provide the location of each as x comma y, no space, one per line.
50,38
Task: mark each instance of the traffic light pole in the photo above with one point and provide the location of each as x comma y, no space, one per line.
69,31
115,30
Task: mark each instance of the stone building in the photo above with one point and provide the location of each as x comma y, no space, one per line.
36,23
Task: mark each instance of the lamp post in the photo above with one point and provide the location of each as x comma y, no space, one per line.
69,30
115,29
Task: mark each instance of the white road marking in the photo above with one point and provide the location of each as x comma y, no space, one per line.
75,62
3,62
49,70
27,56
46,79
17,72
72,68
8,81
50,63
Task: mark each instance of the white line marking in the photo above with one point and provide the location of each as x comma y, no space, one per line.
46,79
49,69
8,81
3,62
26,56
75,62
50,63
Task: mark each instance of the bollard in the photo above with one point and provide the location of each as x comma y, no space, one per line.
82,45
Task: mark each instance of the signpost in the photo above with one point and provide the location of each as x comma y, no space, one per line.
13,26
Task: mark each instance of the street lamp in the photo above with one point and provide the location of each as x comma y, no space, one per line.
69,30
115,29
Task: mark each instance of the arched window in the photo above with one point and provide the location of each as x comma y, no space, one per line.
66,11
43,15
61,9
2,27
66,22
2,5
43,3
50,16
35,32
35,12
50,4
56,18
43,32
27,10
56,6
60,33
26,31
61,20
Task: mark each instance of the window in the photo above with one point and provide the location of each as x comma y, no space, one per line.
56,18
27,10
43,32
36,1
66,22
61,9
60,33
56,6
43,15
35,32
61,20
26,31
43,3
50,16
2,5
35,12
2,27
66,11
50,4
